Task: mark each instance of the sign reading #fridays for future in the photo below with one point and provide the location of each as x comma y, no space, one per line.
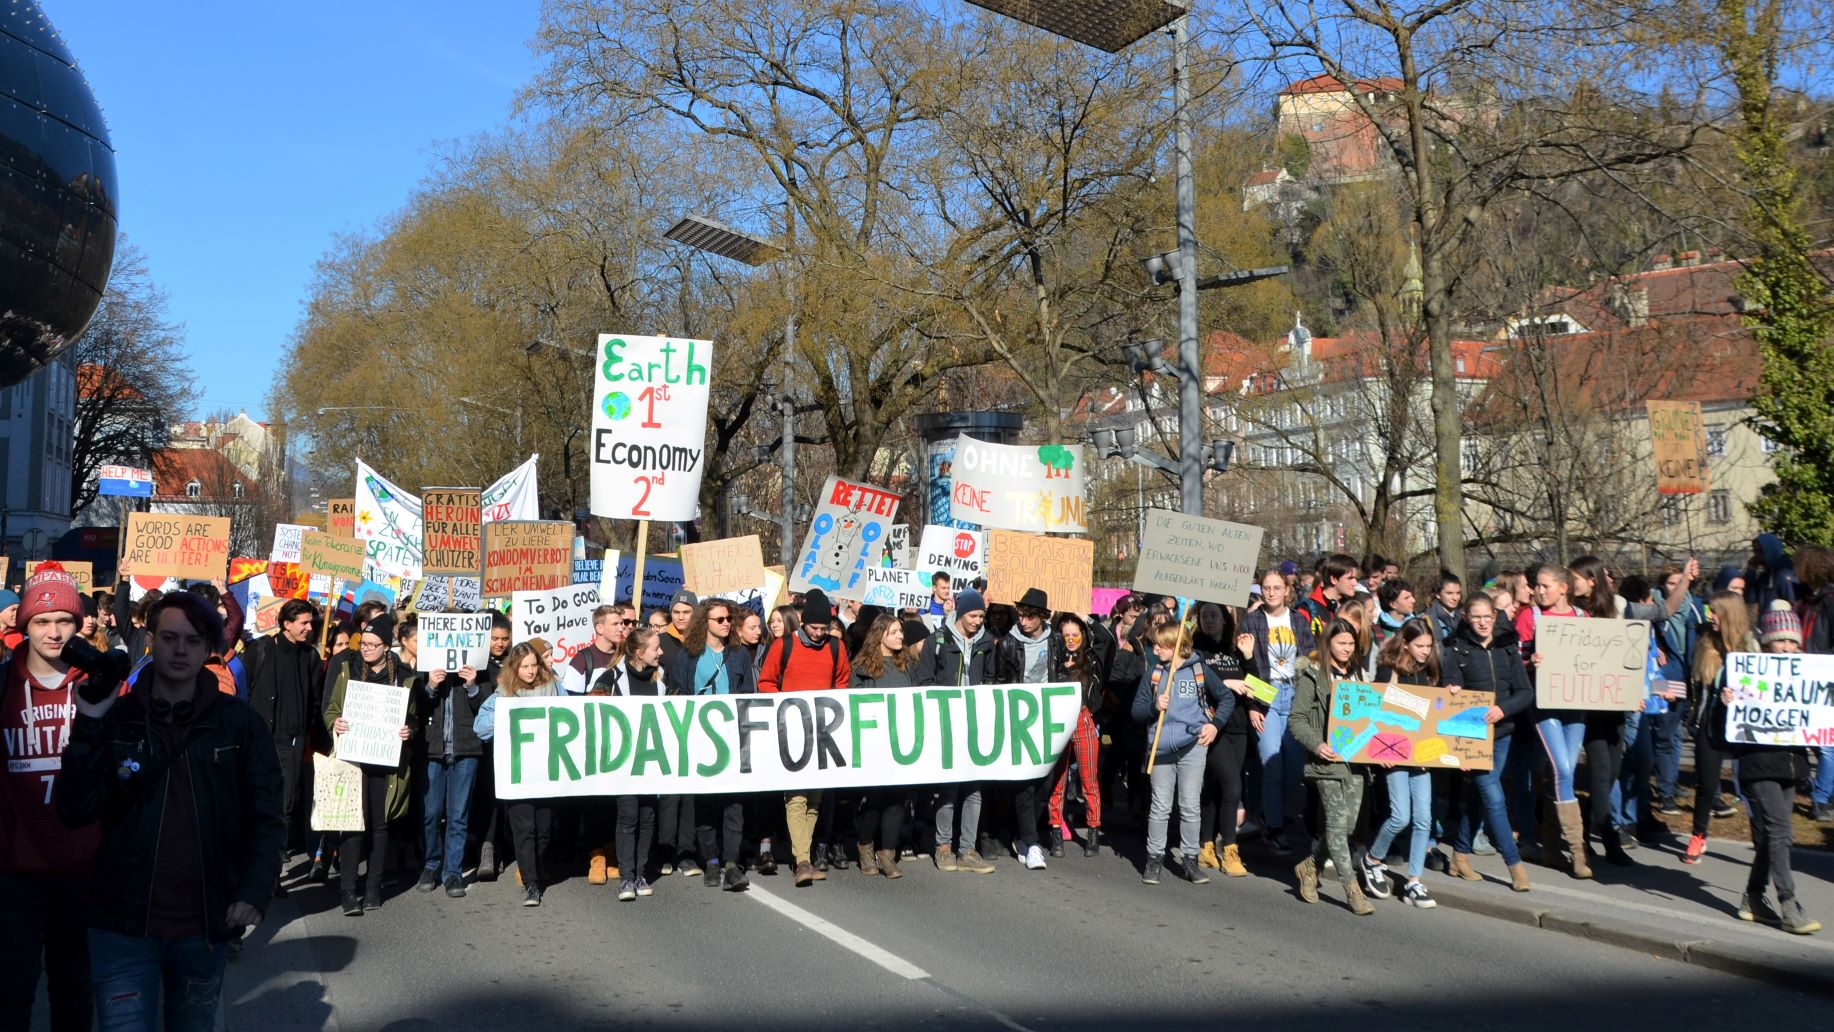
610,746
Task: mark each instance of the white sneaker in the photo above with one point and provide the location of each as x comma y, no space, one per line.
1034,858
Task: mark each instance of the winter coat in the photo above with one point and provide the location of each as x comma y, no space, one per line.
401,778
791,664
1495,666
1009,657
262,658
1193,704
741,673
1255,623
942,663
443,695
1311,716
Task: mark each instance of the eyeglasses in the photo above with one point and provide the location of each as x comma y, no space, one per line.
625,623
719,619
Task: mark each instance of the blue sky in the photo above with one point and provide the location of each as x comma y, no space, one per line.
247,135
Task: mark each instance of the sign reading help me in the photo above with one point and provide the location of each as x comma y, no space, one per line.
649,427
1591,664
451,641
186,547
1408,725
609,746
1192,557
1029,487
1780,699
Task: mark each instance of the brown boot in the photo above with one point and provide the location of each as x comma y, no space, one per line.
1461,867
1359,903
887,863
1574,831
595,868
1206,857
1232,862
868,866
1307,870
1518,877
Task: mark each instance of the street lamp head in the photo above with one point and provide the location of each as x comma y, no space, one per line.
1109,25
1141,353
704,234
1126,437
1103,441
1220,454
1162,268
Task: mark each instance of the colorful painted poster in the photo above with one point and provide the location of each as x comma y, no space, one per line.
124,482
962,554
185,547
388,524
895,589
562,617
849,522
1037,488
1678,437
1063,568
941,485
1780,699
516,495
1407,725
895,552
588,571
451,529
337,795
527,555
719,569
1192,557
452,641
1591,664
649,427
376,714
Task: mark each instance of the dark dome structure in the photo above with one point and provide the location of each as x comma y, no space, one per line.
57,194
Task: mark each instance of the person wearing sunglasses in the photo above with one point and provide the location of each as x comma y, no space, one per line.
710,663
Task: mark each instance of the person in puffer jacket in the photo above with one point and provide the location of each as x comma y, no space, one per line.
1196,706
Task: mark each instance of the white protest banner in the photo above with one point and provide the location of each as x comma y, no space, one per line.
450,641
516,496
649,427
1591,664
962,554
562,616
1031,487
849,521
337,795
895,589
1192,557
553,747
1780,698
388,524
286,542
376,714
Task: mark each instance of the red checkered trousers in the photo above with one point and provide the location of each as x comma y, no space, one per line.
1084,744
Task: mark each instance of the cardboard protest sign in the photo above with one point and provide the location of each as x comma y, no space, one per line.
450,641
849,522
337,795
767,743
388,524
895,548
288,580
1679,440
5,568
83,573
649,427
515,495
451,534
715,569
266,619
185,547
1780,698
322,553
962,554
1591,664
561,616
1019,487
376,713
895,589
527,555
1063,568
1408,725
1192,557
341,517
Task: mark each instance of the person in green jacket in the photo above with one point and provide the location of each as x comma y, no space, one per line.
1340,788
385,789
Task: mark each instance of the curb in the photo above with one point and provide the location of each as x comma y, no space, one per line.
1733,958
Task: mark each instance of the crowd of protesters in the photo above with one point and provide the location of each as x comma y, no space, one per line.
214,731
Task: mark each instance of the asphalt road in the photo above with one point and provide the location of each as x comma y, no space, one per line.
1082,946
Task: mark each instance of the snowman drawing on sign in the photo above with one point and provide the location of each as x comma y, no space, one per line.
838,550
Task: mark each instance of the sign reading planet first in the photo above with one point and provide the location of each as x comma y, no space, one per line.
186,547
649,426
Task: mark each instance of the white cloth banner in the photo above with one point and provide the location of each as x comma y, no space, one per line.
554,746
376,713
516,496
388,523
649,426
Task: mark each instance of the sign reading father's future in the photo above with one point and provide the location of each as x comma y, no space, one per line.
1192,557
649,426
556,746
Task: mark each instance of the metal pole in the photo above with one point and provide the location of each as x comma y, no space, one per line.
1190,372
788,463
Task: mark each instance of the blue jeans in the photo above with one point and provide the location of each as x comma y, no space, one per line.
449,794
1562,741
1410,803
130,975
1630,796
1667,748
1484,798
1282,764
1824,776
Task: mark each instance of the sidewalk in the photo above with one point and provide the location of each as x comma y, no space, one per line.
1670,909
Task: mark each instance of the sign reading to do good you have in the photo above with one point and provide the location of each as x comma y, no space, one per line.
649,427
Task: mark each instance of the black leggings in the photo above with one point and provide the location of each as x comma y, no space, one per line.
1604,756
531,825
375,823
1708,764
881,818
1222,788
636,834
1029,798
675,827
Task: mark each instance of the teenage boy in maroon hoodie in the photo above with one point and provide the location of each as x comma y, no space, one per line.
810,660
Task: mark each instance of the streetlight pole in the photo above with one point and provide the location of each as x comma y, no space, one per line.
1190,383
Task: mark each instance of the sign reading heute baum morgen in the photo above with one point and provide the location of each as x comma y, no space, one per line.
607,746
649,427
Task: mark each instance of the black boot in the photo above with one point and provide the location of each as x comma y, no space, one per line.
1615,855
1092,846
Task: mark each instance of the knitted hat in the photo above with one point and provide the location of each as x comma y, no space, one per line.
816,608
969,601
382,626
50,590
8,598
1779,623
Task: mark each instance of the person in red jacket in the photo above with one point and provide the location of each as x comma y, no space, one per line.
43,865
808,661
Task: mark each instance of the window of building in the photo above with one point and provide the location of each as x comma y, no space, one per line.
1719,507
1770,447
194,489
1670,510
1716,442
236,489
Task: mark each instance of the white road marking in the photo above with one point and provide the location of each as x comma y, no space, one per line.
839,936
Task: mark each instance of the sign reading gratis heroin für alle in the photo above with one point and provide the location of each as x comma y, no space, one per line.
649,427
1192,557
550,747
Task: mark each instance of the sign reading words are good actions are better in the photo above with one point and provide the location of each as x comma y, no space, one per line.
850,521
1063,568
1591,664
1036,487
186,547
1780,698
376,713
649,427
1407,725
611,746
452,641
527,555
1192,557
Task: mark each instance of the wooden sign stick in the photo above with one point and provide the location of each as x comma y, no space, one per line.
1170,676
636,575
